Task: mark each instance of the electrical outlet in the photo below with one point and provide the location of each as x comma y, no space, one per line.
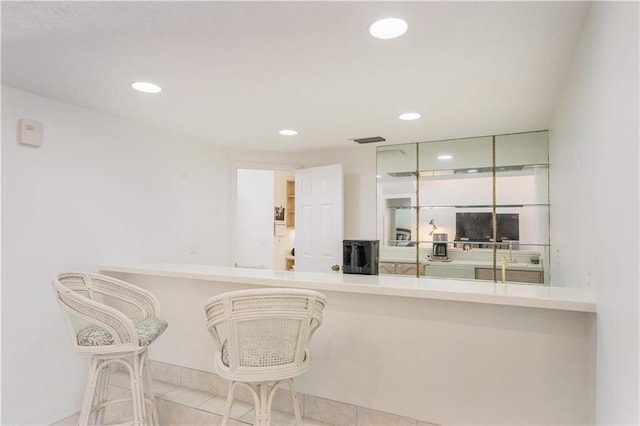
195,248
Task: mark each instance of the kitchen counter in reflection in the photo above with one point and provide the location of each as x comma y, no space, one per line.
484,264
474,269
522,295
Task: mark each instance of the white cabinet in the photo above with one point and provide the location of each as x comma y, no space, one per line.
447,271
511,275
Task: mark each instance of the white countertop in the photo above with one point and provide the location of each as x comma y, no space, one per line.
533,296
458,263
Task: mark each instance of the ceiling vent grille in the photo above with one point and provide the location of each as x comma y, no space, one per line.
370,140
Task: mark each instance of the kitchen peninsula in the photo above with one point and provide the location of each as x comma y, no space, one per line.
416,347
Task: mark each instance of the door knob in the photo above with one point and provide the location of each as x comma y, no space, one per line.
335,268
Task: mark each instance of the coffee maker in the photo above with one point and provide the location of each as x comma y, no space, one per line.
360,256
440,246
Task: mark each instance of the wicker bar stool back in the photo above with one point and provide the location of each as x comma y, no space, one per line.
114,322
262,339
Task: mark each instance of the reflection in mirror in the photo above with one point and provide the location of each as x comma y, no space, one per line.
398,223
435,207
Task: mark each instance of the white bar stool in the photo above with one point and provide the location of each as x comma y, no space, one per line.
114,322
262,339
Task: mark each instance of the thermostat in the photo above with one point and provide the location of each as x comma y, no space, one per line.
29,132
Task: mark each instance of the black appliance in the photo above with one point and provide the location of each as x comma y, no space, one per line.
360,256
440,248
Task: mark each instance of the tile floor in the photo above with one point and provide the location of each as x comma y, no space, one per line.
187,397
178,405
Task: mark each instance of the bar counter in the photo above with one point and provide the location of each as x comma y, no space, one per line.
512,294
438,350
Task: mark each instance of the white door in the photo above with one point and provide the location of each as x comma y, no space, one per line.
319,218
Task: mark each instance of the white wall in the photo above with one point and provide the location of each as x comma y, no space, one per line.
594,197
254,233
100,190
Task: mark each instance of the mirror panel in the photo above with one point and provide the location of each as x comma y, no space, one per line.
454,155
396,161
396,176
436,216
522,149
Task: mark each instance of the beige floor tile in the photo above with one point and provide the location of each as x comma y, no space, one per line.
223,386
121,379
279,418
160,387
165,372
73,420
368,417
241,392
200,380
120,409
69,421
282,401
204,418
312,422
331,412
173,414
189,397
216,406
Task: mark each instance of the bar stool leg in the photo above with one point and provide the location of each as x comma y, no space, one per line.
102,390
228,404
89,393
294,400
148,387
262,405
137,391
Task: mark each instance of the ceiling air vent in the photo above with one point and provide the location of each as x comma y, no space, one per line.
370,140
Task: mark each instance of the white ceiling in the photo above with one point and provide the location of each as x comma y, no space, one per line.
234,73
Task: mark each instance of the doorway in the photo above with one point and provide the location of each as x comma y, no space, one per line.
262,238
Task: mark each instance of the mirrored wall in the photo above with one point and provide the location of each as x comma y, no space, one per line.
473,208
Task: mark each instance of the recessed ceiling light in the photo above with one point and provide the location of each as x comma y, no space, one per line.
445,157
410,116
388,28
143,86
472,171
288,132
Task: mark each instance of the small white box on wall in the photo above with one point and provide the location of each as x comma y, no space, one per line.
280,229
29,132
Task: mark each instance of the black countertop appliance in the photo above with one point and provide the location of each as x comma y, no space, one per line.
440,246
360,256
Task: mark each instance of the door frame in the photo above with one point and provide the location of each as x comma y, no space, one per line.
233,198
